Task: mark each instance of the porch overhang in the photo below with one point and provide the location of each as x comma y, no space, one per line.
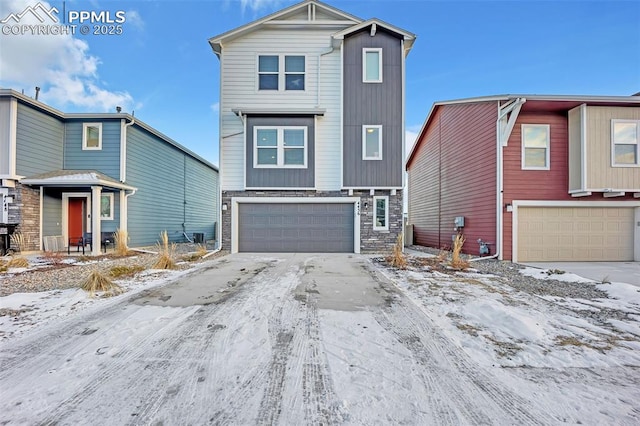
75,179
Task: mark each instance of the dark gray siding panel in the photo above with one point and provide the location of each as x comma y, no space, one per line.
373,104
296,228
171,191
39,142
281,178
52,212
106,160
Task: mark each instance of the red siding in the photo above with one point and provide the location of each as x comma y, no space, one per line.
453,173
552,184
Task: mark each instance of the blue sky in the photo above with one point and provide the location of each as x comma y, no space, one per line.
163,67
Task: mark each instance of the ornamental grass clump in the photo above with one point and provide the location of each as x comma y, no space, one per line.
397,259
98,282
19,240
166,253
18,262
121,238
121,271
457,262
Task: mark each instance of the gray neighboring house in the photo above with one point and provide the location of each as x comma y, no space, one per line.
68,174
312,132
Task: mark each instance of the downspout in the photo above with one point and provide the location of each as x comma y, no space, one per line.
326,52
501,139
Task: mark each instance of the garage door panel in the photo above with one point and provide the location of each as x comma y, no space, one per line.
291,227
575,234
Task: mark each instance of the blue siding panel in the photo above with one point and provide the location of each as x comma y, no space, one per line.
173,189
106,160
52,212
39,142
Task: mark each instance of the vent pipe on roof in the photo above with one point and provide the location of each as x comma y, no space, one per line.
37,92
118,109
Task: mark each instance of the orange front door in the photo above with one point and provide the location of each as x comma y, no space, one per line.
76,216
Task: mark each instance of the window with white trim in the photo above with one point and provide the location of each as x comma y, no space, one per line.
91,136
371,142
625,140
372,65
536,142
106,206
381,213
271,77
277,146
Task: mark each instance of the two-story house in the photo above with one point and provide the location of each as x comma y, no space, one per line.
312,131
540,178
70,174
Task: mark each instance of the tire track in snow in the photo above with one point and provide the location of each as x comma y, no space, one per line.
471,394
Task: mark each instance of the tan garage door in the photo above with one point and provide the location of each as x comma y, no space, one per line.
575,234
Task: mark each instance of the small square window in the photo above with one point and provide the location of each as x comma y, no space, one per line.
625,136
535,146
372,65
92,136
106,206
372,142
381,213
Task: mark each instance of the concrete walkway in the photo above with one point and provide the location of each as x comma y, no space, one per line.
622,272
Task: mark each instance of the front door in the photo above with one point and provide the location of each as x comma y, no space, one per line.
76,217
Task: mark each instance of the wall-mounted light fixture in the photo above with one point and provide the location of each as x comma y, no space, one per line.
366,204
224,206
509,207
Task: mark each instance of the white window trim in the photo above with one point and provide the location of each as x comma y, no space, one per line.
282,80
386,213
280,148
548,149
364,64
613,143
111,204
84,137
364,141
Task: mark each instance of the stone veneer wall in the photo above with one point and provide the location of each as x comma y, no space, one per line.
25,211
370,241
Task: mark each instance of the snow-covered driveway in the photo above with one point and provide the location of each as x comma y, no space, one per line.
283,339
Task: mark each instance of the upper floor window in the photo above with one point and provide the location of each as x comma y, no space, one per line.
372,65
280,147
270,76
625,137
381,213
536,144
371,142
92,136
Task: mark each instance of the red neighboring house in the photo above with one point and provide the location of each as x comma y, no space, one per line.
540,178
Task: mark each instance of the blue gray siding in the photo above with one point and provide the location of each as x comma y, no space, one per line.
281,178
39,142
173,189
106,160
52,212
372,104
5,140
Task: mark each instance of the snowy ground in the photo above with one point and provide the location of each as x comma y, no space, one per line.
324,339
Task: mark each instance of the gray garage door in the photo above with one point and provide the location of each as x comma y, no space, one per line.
297,228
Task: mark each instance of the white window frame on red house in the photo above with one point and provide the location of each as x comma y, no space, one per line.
525,147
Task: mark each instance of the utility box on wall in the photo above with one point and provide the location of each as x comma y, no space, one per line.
458,222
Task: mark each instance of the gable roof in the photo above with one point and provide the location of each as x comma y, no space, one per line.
279,17
408,37
567,99
6,93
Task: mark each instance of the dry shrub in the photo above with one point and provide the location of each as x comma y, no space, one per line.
18,240
3,266
53,257
125,271
121,238
397,258
201,251
18,262
97,281
166,253
457,261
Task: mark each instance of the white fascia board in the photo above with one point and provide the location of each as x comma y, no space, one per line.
563,203
72,183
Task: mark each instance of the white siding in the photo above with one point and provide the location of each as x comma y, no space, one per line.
239,91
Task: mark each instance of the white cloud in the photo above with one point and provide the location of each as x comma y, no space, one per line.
60,64
134,18
256,5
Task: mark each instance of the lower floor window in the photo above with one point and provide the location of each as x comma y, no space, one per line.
381,213
280,147
106,206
